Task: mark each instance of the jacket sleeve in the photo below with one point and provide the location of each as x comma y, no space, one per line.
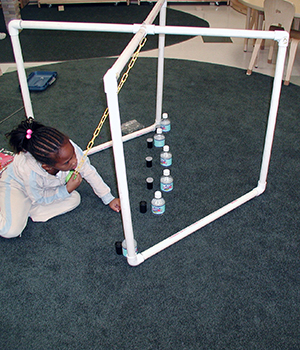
90,174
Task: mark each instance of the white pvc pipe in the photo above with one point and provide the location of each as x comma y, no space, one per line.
140,30
21,72
222,32
149,29
77,26
125,138
274,104
111,90
160,65
198,225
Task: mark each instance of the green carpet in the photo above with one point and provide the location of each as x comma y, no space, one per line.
231,285
47,45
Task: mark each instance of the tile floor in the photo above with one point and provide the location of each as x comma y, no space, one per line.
230,54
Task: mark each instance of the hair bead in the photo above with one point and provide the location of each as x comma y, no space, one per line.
28,134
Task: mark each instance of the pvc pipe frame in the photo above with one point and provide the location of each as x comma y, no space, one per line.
110,85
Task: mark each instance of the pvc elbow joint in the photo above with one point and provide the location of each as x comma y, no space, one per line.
261,186
14,26
135,260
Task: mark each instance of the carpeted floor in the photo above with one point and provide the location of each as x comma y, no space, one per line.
232,285
46,45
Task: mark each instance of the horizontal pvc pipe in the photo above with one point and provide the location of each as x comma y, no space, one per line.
125,138
141,31
199,224
149,29
222,32
74,26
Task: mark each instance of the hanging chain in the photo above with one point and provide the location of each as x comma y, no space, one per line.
106,113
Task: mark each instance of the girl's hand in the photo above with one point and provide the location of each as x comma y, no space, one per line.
115,205
73,183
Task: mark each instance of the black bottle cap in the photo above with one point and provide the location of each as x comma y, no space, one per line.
118,246
143,207
149,181
150,142
149,162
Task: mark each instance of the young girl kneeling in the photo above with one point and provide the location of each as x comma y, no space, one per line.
34,184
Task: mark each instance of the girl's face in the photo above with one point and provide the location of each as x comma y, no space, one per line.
66,159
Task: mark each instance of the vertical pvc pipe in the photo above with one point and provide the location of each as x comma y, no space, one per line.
111,90
14,36
274,104
160,66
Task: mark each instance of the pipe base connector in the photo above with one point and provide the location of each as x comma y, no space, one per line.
135,260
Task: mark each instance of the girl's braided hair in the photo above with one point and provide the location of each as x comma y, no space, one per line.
43,142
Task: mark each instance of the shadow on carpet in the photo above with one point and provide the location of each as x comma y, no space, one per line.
47,45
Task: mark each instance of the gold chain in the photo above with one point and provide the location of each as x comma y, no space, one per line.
106,113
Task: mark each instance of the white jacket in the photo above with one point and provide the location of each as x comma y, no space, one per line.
43,188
